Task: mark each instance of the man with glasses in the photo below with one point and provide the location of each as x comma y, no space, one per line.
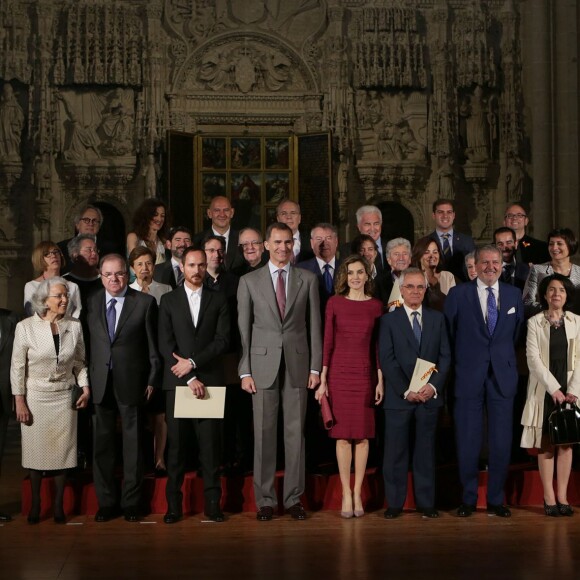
407,334
251,245
453,246
87,220
169,272
529,250
513,271
124,368
288,212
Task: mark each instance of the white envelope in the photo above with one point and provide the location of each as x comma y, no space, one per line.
188,406
421,375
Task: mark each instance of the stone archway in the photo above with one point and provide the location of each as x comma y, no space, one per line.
397,221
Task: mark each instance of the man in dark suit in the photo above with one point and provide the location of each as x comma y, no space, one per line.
288,212
124,368
194,328
453,246
88,220
324,242
8,322
484,319
221,212
513,271
251,245
169,272
530,250
279,321
409,333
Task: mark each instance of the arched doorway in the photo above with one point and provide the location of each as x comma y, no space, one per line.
113,227
397,222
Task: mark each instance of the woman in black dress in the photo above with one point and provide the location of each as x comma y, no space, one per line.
553,353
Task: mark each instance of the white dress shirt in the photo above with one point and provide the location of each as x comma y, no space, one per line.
118,305
482,294
194,301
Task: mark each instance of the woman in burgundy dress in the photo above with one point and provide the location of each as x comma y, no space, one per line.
350,375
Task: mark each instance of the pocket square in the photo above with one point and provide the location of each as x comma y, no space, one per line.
512,310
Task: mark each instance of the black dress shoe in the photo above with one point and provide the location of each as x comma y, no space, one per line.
104,514
297,511
59,519
428,512
131,514
499,510
465,510
392,513
551,510
33,519
265,513
5,517
172,517
215,516
565,509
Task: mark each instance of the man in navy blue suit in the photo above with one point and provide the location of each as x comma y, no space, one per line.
409,333
453,246
324,242
484,319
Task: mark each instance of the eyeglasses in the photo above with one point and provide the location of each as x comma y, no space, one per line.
52,253
413,287
213,251
89,221
59,296
515,216
109,275
253,244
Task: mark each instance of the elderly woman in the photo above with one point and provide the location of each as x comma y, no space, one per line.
350,374
48,359
47,261
142,262
426,258
562,244
553,353
470,266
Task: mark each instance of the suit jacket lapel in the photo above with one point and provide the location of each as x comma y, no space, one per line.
295,283
406,328
183,308
128,307
473,298
267,290
206,298
426,332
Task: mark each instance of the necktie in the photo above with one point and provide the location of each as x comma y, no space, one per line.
507,272
111,318
281,293
416,327
327,277
194,307
491,310
178,276
446,247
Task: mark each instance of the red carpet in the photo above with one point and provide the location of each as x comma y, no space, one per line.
322,492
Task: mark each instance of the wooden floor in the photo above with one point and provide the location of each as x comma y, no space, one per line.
527,546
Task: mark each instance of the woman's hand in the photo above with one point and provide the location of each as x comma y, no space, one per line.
83,400
23,414
570,398
322,390
379,393
558,397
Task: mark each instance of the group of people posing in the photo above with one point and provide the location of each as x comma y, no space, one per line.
293,319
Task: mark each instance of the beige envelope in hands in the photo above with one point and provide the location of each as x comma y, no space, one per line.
188,406
421,375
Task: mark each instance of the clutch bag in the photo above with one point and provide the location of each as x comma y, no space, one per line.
326,413
75,394
564,425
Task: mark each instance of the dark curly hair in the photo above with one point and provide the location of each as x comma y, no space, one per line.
568,236
143,216
341,279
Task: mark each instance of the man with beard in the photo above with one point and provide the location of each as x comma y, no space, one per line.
169,272
513,272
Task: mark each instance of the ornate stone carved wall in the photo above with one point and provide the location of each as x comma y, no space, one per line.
424,99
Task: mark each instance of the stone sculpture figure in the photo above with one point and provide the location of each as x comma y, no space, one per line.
11,125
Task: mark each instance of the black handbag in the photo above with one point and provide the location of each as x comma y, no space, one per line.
75,394
564,425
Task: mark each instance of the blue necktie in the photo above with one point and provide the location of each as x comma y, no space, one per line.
446,247
491,310
111,318
327,277
416,327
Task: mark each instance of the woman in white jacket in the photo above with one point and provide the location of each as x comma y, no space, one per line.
553,353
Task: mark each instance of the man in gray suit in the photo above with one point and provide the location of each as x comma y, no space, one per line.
279,320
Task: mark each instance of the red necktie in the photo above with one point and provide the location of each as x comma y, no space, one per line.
281,293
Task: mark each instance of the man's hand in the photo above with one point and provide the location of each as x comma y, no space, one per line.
413,397
197,388
313,380
249,385
182,367
426,392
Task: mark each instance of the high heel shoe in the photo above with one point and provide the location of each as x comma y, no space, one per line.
551,510
565,509
359,513
33,516
348,513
